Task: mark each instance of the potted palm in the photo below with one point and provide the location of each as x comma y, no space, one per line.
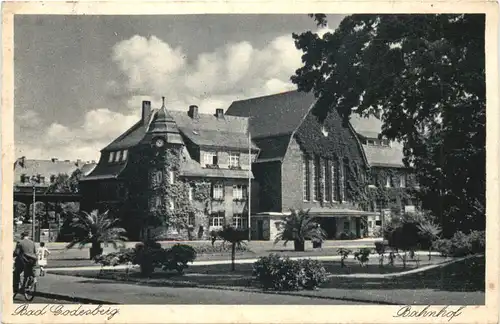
96,228
298,227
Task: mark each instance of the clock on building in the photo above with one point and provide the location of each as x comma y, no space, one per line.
159,142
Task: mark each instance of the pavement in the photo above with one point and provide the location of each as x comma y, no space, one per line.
113,292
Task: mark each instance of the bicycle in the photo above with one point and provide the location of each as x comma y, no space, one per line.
29,290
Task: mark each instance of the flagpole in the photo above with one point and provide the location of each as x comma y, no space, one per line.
249,191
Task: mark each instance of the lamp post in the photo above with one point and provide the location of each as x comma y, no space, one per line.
34,180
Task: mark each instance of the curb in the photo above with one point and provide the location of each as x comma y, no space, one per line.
76,299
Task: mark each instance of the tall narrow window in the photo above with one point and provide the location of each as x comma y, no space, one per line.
341,180
171,177
346,176
317,183
238,192
111,157
124,155
172,205
388,181
402,180
210,158
190,193
158,177
306,176
324,173
333,181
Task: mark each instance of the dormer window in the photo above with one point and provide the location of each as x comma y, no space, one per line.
234,160
124,155
210,158
117,156
111,157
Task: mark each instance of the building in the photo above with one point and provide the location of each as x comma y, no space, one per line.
175,174
183,174
342,172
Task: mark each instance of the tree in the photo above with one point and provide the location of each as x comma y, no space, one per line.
298,227
96,228
235,236
424,77
431,232
64,183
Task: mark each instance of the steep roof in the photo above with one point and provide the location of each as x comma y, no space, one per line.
45,168
381,156
208,130
129,138
275,117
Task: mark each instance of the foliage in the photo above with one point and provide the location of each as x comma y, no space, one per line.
426,81
177,257
218,248
96,228
344,253
277,273
362,256
64,183
380,247
461,244
20,211
234,236
298,227
346,236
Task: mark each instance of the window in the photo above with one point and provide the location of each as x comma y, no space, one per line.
41,179
345,175
341,180
378,223
190,193
124,155
210,158
402,181
385,142
52,178
171,177
239,192
117,156
317,183
191,219
172,205
111,157
306,175
217,191
370,142
313,178
347,226
157,202
217,219
388,181
323,181
239,221
158,177
24,178
234,160
370,224
328,181
333,176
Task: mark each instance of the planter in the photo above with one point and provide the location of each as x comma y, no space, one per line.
95,251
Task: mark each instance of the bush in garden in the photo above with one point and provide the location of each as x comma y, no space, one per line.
362,256
461,244
218,248
149,255
278,273
313,274
178,256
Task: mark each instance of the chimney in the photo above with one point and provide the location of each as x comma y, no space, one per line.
146,111
219,113
54,159
193,112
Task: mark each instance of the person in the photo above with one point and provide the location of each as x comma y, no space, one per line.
43,254
24,260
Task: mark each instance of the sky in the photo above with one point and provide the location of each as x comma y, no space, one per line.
80,80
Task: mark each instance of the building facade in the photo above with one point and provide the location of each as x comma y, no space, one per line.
175,174
335,169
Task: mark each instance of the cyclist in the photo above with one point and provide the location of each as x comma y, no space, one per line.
25,260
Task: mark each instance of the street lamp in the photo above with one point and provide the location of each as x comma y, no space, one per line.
34,180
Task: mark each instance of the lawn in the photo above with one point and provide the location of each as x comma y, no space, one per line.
220,274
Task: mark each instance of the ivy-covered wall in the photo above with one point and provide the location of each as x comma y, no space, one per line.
268,176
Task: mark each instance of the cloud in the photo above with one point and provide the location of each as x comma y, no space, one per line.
152,68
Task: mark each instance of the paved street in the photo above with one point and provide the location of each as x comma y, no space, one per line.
42,300
122,293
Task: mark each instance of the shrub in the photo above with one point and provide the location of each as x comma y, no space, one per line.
218,248
461,244
313,273
362,256
116,258
277,273
177,257
149,255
